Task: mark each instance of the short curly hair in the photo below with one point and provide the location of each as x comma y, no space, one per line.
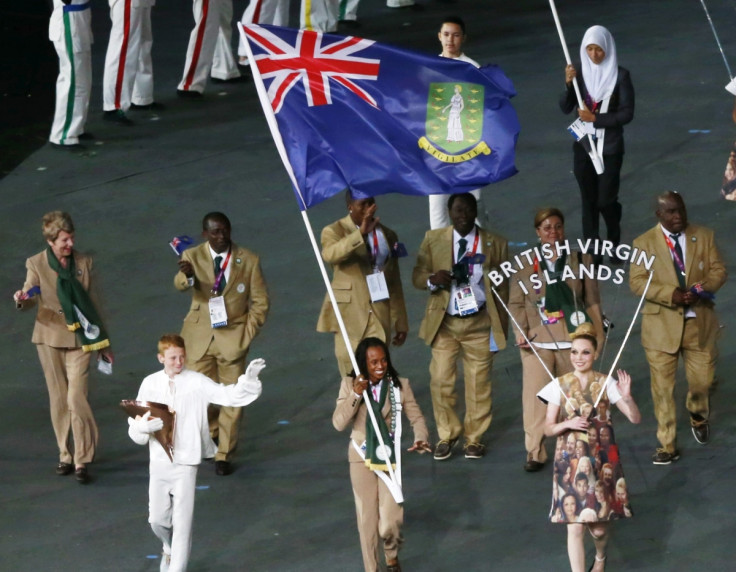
54,222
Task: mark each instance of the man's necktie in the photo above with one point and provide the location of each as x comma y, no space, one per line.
461,268
678,251
218,269
462,246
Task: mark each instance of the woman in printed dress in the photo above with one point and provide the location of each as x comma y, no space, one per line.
561,424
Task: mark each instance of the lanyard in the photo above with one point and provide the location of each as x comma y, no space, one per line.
221,275
536,271
678,262
375,250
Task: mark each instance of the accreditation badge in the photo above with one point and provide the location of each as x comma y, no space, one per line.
377,286
218,313
465,301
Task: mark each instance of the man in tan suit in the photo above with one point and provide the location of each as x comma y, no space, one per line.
462,316
358,246
225,278
676,320
64,345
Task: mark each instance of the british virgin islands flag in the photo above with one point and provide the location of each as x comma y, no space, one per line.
378,119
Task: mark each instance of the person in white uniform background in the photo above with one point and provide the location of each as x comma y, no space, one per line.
70,29
172,481
128,56
319,15
270,12
452,37
201,49
224,66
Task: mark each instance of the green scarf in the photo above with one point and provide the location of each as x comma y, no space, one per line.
559,296
72,295
372,460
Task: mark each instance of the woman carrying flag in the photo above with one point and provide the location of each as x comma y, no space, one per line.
379,515
608,105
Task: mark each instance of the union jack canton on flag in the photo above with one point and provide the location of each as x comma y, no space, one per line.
378,119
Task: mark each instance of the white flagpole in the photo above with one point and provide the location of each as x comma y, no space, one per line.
718,41
597,162
531,346
626,337
278,141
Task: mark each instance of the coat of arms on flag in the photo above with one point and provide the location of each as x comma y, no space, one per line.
455,122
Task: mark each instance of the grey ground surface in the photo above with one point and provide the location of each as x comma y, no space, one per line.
288,506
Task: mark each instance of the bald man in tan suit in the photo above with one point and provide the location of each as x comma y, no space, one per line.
676,321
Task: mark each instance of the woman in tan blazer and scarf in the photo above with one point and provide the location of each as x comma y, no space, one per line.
379,515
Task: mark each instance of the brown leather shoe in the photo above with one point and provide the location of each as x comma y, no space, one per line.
394,566
223,468
63,469
474,451
81,475
533,466
443,450
700,428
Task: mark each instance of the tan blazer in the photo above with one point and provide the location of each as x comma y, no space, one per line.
662,322
50,328
246,301
350,409
436,254
526,312
344,248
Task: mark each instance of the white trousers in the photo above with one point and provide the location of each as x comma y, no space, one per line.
319,15
224,65
171,508
123,53
201,47
270,12
348,10
72,94
143,84
439,216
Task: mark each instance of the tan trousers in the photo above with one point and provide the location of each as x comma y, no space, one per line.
379,516
374,329
66,371
471,338
224,421
700,365
533,380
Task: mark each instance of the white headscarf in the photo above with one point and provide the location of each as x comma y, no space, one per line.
599,79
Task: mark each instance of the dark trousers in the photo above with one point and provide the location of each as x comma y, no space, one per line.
599,193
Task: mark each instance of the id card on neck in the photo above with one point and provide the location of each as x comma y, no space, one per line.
465,301
377,286
218,312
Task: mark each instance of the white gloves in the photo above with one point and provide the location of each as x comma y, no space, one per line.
254,368
731,87
147,425
249,386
